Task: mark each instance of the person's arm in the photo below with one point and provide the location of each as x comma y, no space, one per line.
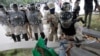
97,5
69,49
96,2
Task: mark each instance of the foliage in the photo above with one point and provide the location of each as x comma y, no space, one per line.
7,2
17,52
95,22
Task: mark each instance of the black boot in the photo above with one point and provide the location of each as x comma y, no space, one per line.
18,38
36,36
25,36
42,35
13,37
46,40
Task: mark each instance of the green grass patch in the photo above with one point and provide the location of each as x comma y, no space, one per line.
95,23
17,52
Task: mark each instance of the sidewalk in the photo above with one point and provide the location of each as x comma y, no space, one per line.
92,50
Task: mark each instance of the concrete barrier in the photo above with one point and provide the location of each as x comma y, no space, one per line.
27,44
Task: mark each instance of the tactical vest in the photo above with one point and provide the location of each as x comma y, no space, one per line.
34,18
64,17
17,18
67,29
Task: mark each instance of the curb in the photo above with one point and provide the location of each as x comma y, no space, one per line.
92,50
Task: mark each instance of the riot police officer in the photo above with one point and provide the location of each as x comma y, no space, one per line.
34,18
68,27
17,21
4,20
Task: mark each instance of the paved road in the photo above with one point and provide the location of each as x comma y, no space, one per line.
31,44
94,45
79,52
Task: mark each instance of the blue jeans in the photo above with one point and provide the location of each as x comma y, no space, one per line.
62,52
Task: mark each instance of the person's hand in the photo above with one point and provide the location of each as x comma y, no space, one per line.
69,47
98,7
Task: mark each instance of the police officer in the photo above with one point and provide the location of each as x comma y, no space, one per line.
4,19
68,27
50,20
34,18
17,20
76,9
24,10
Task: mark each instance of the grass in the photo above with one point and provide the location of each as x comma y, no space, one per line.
95,24
17,52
